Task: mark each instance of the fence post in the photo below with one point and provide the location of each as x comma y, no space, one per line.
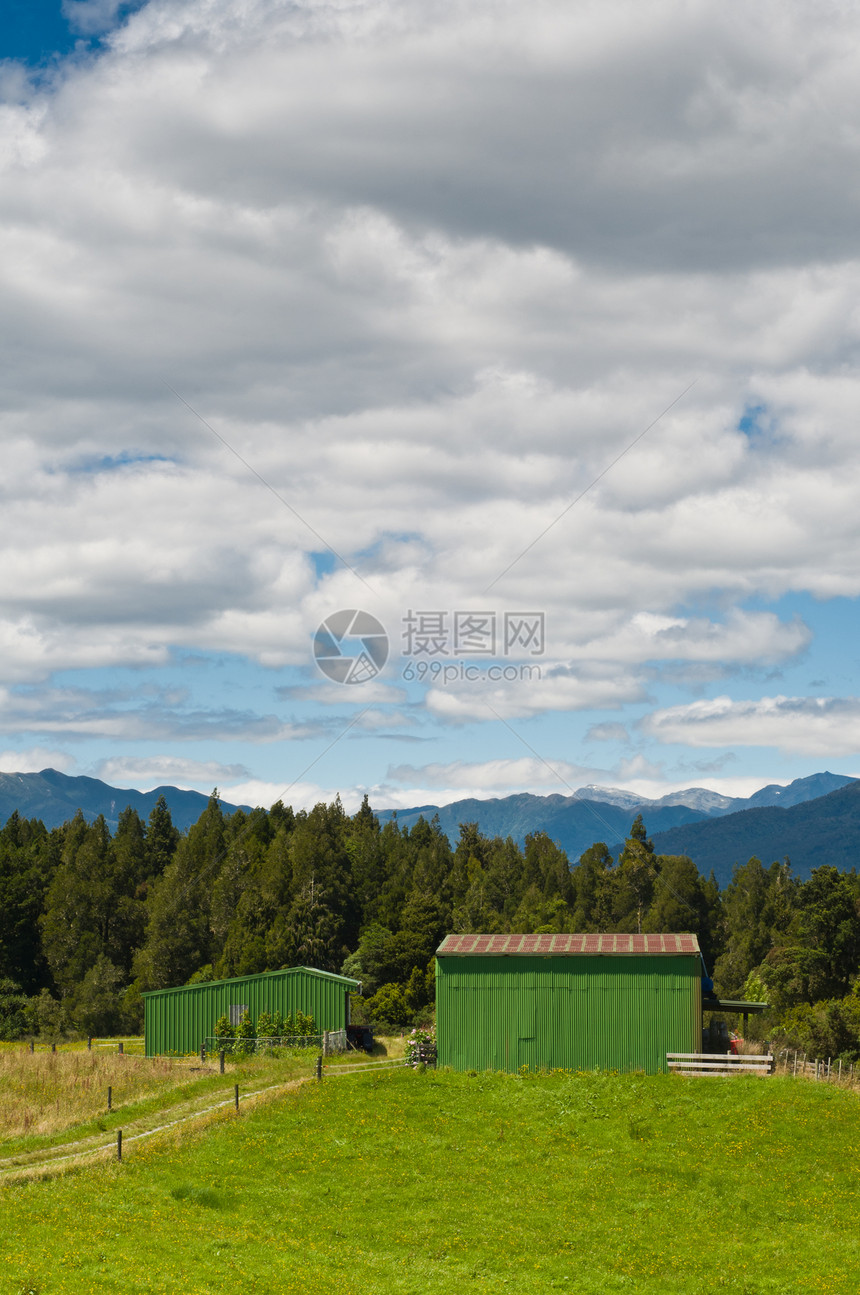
53,1047
31,1046
795,1065
840,1068
110,1097
119,1047
237,1097
89,1043
203,1051
319,1068
221,1061
119,1145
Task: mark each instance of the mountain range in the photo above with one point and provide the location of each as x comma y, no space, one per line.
816,832
812,821
711,828
56,797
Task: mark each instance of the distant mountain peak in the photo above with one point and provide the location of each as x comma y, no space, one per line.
595,813
56,797
611,796
693,797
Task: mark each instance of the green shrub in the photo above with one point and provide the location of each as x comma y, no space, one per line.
243,1036
16,1018
266,1026
389,1004
305,1026
827,1029
49,1016
223,1028
96,1004
269,1025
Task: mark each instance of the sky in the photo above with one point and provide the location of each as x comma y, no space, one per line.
430,398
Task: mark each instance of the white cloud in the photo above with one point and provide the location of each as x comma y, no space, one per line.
607,732
145,773
91,17
495,776
35,759
298,795
556,689
145,715
812,726
638,769
374,690
428,270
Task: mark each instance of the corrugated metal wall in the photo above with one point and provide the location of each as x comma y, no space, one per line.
574,1013
178,1020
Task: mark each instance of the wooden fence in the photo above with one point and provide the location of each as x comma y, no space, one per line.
717,1063
783,1061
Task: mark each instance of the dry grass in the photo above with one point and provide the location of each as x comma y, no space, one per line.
42,1093
390,1045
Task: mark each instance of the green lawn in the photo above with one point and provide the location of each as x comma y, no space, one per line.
400,1182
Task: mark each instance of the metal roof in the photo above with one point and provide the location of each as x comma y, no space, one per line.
254,975
555,945
732,1005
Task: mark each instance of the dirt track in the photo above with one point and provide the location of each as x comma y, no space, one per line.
69,1155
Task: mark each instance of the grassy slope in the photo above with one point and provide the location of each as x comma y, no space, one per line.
47,1099
430,1183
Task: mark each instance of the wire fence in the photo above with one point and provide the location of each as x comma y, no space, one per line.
832,1070
131,1045
328,1042
329,1072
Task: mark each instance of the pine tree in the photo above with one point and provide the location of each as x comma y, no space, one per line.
179,936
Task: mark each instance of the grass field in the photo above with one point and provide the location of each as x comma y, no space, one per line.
44,1092
405,1182
51,1101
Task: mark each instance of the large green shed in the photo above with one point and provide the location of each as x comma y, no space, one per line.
178,1020
576,1002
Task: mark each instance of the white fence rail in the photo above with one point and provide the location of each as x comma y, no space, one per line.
715,1063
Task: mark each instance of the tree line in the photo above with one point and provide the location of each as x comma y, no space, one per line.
90,919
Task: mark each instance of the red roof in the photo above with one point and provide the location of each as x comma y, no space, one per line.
555,945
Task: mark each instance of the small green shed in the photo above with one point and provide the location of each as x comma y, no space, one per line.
178,1020
573,1002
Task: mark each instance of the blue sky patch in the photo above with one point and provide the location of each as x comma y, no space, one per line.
37,32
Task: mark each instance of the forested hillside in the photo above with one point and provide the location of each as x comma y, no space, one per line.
89,919
821,831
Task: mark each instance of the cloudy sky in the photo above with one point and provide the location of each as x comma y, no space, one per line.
529,330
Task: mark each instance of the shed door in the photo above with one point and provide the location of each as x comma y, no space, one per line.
527,1042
